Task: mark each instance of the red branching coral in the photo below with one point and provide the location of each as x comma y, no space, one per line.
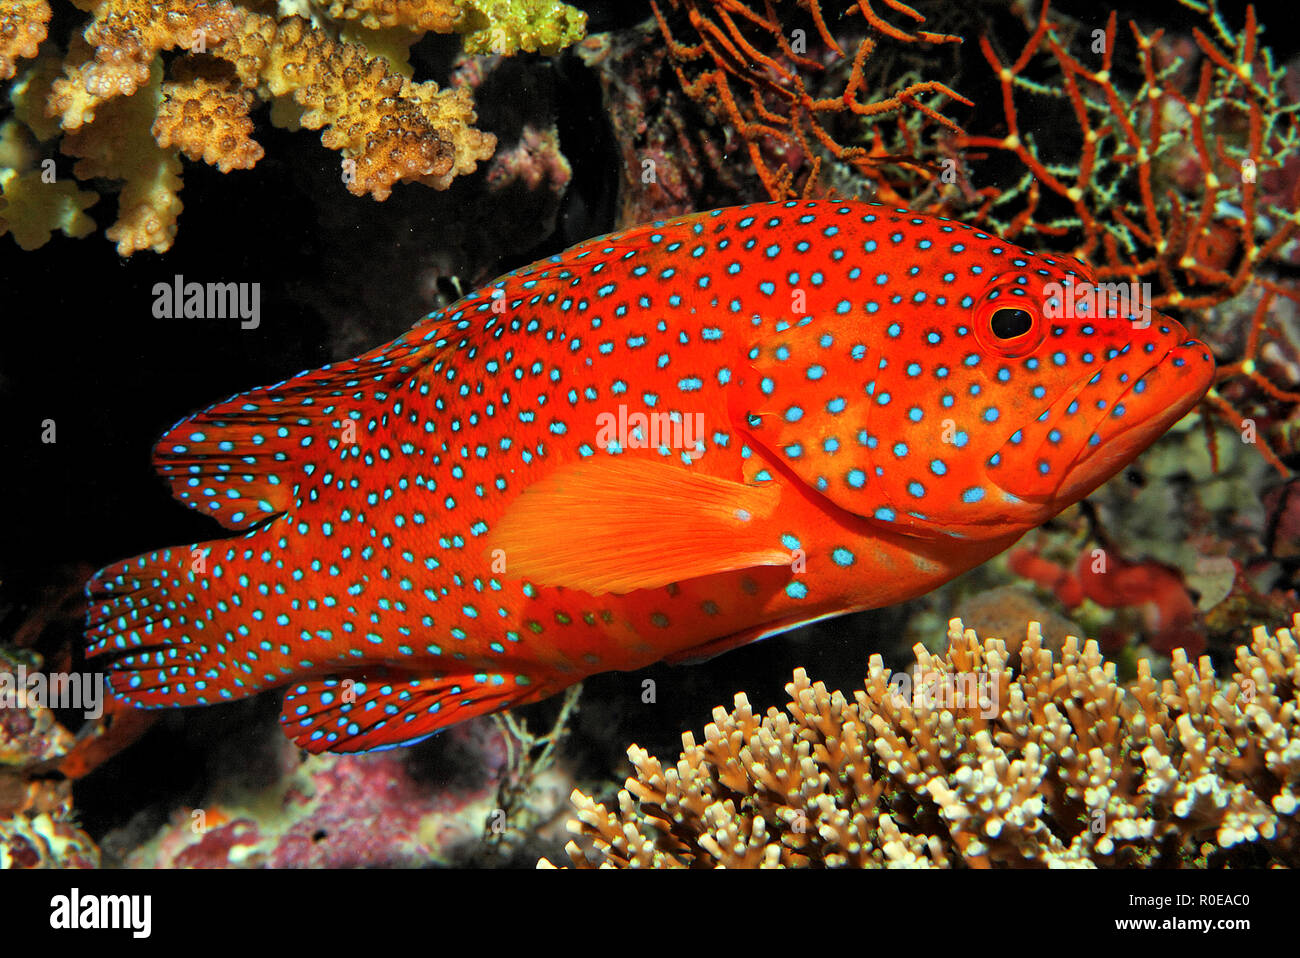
1126,138
1245,377
1158,179
746,71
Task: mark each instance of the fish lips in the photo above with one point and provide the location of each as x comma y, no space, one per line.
1105,419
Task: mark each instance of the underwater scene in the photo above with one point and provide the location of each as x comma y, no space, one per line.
649,434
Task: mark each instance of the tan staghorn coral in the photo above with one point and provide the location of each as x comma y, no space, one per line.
390,127
979,766
422,16
33,202
23,25
508,26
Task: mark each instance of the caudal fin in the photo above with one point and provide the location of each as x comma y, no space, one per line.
150,622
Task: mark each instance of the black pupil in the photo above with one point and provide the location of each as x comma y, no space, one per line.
1010,323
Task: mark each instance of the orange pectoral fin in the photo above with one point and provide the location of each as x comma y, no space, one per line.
617,524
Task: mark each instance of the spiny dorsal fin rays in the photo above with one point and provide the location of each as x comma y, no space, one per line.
241,460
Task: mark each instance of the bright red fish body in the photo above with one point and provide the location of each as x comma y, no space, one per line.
662,443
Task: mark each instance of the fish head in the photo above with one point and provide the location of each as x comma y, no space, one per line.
1101,375
976,394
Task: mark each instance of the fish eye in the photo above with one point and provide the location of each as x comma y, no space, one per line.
1009,322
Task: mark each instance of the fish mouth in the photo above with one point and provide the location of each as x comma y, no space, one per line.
1106,418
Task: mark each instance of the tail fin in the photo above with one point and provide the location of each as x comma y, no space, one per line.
152,622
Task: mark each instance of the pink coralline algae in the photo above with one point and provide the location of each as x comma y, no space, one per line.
369,810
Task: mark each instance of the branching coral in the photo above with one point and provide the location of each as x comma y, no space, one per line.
1253,392
1154,174
980,766
123,148
508,26
122,41
1117,170
391,128
204,114
34,205
750,70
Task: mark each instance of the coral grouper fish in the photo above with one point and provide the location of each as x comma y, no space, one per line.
660,444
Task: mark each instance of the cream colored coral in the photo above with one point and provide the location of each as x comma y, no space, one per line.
36,203
1063,768
120,146
29,92
503,27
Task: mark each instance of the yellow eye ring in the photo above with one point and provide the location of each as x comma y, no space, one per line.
1008,322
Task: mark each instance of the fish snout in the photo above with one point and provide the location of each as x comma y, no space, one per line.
1108,416
1162,377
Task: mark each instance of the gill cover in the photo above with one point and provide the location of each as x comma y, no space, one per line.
888,418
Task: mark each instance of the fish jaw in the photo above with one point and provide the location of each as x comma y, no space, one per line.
1170,389
1108,418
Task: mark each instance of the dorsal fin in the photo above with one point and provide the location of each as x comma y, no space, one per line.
239,460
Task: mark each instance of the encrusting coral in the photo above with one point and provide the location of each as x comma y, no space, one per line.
128,122
979,765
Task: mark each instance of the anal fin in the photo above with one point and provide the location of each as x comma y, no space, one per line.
380,708
714,648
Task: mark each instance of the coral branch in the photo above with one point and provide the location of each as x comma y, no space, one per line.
748,73
388,128
980,766
392,129
121,42
121,147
